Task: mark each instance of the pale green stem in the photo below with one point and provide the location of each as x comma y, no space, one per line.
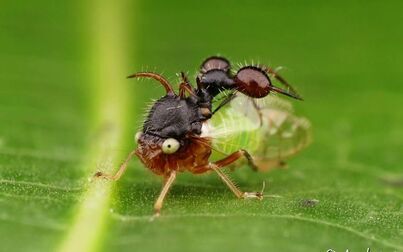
107,52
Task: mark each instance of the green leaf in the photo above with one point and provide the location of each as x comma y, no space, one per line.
67,111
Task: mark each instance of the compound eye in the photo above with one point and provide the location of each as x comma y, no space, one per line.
253,82
215,63
137,136
170,146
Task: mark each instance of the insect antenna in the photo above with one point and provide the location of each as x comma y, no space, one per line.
157,77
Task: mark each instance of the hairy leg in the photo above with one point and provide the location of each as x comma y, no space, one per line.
216,166
167,185
121,170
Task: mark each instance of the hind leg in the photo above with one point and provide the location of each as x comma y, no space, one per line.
216,166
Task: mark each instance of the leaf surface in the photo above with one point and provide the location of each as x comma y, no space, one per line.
66,111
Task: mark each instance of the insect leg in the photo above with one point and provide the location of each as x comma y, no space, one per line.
238,193
160,200
234,157
227,161
121,170
227,100
258,111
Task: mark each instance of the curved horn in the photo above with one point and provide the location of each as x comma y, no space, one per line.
157,77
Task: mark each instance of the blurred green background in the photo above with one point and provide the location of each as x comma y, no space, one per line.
66,111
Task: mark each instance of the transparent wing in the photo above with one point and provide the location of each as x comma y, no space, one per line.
267,128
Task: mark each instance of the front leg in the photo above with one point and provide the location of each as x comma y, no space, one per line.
160,200
216,166
121,170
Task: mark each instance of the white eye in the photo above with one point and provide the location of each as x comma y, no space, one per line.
137,136
169,146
